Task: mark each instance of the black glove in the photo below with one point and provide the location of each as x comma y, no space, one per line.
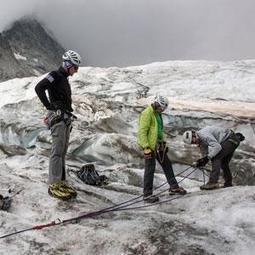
202,162
240,136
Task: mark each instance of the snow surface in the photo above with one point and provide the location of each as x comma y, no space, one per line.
19,57
107,102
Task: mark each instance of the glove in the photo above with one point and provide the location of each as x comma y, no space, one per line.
240,136
202,162
147,153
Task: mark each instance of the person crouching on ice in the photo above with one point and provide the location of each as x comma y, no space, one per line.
218,145
150,138
58,102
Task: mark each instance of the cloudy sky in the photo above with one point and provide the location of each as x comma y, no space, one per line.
133,32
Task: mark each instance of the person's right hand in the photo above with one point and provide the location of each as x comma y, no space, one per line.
147,153
202,162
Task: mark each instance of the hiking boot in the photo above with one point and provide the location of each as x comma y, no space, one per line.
227,185
65,186
210,186
60,191
150,199
177,191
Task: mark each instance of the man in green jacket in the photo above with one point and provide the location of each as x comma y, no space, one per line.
150,138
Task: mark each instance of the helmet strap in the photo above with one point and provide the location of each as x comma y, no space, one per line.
155,105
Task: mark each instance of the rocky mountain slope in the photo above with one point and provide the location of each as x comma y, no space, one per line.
27,49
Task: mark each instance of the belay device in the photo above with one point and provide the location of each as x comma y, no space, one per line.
90,176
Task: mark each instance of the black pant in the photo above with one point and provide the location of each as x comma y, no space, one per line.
150,169
222,159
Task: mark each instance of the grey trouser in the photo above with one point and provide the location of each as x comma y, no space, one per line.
150,169
222,159
60,138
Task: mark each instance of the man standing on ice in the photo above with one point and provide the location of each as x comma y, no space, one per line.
59,118
150,138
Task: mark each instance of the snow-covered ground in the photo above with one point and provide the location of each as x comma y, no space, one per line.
107,103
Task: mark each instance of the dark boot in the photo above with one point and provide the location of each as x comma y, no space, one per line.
150,199
177,191
209,186
227,185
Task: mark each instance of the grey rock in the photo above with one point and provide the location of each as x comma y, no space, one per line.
27,49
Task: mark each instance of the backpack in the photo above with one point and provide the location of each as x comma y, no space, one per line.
5,203
90,176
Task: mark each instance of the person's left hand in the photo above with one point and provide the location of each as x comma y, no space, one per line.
147,153
202,162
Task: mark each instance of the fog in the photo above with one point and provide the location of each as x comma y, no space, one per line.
133,32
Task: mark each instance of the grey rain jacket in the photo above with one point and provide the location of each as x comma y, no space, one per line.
210,139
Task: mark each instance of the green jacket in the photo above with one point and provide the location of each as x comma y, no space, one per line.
147,129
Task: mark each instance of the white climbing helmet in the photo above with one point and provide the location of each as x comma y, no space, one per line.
187,137
162,101
73,57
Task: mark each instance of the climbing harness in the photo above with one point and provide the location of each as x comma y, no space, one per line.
162,149
54,117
